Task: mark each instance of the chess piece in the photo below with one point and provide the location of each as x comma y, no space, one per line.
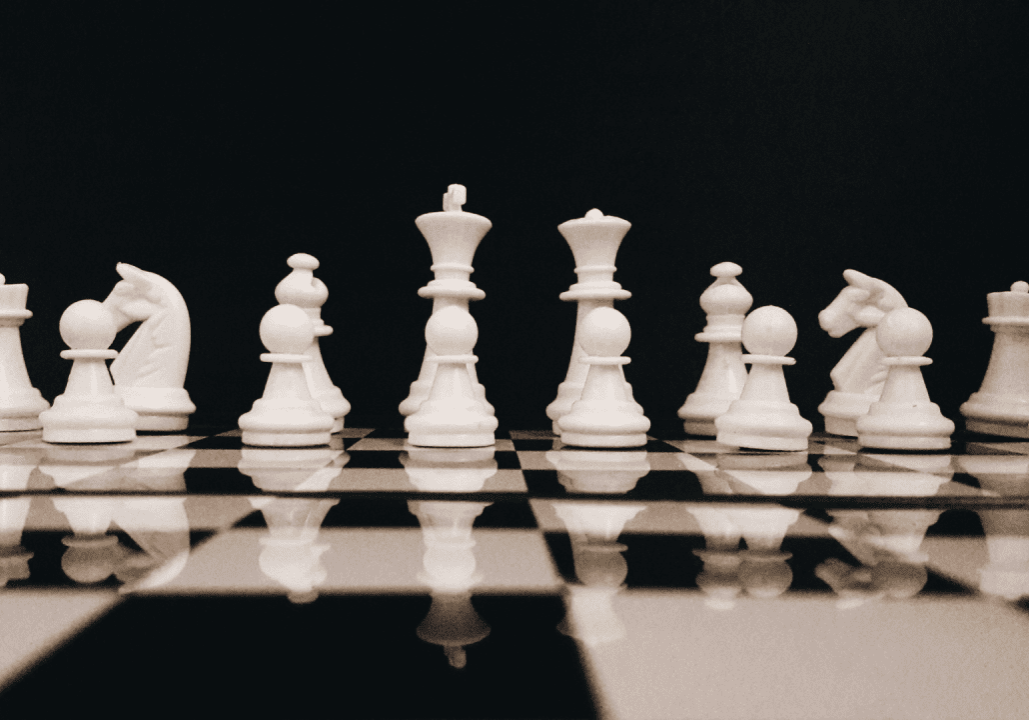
452,235
150,370
859,376
453,415
605,416
594,240
286,415
20,403
904,418
303,289
89,411
1001,406
764,418
726,302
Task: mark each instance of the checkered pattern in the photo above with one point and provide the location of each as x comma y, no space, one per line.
563,582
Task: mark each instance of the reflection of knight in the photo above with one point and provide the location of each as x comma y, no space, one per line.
449,570
859,377
150,371
886,542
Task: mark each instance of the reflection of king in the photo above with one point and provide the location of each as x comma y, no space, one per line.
150,371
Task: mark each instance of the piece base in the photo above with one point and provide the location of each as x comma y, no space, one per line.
844,427
604,441
462,440
295,439
904,442
762,442
701,428
162,423
13,424
997,428
87,436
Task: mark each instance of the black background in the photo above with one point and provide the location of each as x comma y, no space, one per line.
209,143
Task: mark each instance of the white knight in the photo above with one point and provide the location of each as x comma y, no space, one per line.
859,376
150,371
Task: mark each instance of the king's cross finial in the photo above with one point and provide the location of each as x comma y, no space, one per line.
455,197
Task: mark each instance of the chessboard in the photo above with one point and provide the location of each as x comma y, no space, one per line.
188,574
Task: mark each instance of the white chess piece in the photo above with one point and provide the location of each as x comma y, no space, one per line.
452,415
20,403
726,302
453,236
904,418
594,240
150,371
764,418
89,411
286,415
605,416
303,289
859,376
1001,406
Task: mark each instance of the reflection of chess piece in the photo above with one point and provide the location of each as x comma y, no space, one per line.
92,555
594,240
290,552
763,417
303,289
1007,543
20,403
453,624
904,418
163,471
14,559
593,529
449,469
83,467
1001,406
765,574
449,569
453,236
779,474
726,302
859,376
150,371
160,527
89,411
599,471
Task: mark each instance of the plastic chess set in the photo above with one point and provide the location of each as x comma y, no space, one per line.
880,569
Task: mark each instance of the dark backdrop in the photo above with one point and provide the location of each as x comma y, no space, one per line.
797,139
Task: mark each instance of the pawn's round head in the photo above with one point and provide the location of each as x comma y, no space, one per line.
88,325
769,330
904,332
286,329
452,331
605,333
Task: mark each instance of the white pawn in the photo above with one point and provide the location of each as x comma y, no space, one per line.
20,403
1001,406
89,411
453,415
286,415
303,289
726,302
764,418
605,416
904,418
